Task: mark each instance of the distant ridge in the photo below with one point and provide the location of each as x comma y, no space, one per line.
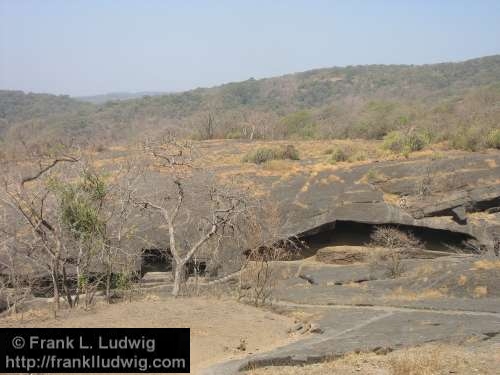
114,96
365,101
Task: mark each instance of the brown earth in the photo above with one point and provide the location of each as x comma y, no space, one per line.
212,340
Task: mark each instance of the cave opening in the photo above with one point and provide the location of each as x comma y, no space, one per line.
351,233
161,260
488,206
156,260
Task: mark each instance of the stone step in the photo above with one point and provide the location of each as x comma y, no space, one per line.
154,285
156,277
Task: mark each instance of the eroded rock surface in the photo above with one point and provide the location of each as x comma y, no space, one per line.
458,193
452,299
447,298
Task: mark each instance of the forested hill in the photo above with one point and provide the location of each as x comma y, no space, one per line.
356,101
114,96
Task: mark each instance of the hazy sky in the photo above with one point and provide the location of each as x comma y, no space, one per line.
84,47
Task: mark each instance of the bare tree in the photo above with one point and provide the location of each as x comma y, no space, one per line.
258,125
397,245
120,251
223,208
208,128
15,285
33,200
266,246
259,276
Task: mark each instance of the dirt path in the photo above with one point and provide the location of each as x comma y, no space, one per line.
351,328
217,326
386,308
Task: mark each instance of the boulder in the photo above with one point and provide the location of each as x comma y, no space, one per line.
460,214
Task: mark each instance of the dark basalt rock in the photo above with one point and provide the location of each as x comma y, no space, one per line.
460,214
457,186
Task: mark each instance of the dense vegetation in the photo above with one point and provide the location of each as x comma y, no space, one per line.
408,105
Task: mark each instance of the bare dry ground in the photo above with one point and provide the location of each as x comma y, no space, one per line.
212,340
430,359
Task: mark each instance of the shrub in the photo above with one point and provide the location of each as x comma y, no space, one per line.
338,155
397,246
359,155
260,155
80,204
298,125
264,154
415,142
398,142
468,139
346,154
493,138
99,147
389,237
81,218
258,277
393,141
289,152
234,134
374,175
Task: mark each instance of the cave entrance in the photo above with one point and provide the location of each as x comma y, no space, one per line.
160,260
156,260
488,206
351,233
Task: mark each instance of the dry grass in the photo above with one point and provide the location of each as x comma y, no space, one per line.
393,199
430,359
491,163
400,294
229,153
424,270
372,176
440,359
330,179
354,284
462,280
321,149
487,264
278,165
480,291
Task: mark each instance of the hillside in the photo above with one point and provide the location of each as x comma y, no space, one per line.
112,96
355,101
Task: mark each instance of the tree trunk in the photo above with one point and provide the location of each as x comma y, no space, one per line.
179,275
108,280
79,275
55,280
65,287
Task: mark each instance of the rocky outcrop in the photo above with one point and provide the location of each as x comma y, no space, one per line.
458,188
456,193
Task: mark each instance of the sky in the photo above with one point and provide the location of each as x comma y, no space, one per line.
87,47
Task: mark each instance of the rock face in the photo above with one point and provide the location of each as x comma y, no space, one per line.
458,192
362,308
452,299
452,193
341,254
